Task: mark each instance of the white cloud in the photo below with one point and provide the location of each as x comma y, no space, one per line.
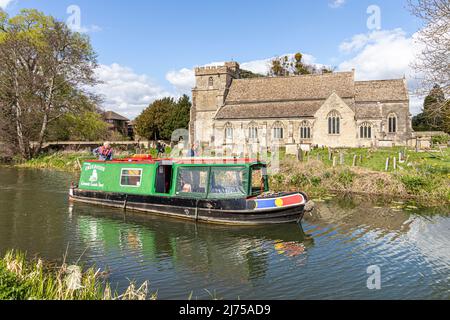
5,3
384,54
183,80
125,91
337,3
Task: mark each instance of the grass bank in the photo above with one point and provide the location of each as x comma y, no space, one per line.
21,279
69,160
423,177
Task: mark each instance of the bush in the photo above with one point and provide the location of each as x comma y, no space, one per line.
346,178
414,183
442,139
299,180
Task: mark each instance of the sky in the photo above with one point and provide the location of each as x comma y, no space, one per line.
148,49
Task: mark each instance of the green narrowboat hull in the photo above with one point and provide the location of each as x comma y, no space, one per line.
227,211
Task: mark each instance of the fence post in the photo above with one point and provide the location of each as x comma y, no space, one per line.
387,164
354,160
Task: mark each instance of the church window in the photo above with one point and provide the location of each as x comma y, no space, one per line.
278,131
392,120
334,122
210,82
305,130
365,131
229,132
253,132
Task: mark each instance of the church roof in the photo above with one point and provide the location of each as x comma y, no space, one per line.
381,90
291,88
302,96
261,110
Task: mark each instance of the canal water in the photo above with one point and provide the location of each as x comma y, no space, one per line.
332,255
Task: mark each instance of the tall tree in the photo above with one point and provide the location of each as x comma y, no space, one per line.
163,117
433,63
45,72
293,65
433,111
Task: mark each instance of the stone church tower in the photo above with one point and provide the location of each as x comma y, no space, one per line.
209,94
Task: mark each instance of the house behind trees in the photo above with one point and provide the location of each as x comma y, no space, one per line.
117,123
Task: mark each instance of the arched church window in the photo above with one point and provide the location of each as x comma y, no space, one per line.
229,131
334,122
365,131
210,82
253,131
392,123
278,131
305,130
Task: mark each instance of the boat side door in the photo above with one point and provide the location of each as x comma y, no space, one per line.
164,177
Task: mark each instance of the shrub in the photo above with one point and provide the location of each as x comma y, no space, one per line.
414,183
346,177
316,181
298,180
442,139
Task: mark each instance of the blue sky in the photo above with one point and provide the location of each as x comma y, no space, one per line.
148,48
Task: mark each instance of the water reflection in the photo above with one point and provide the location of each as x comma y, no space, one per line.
233,254
325,258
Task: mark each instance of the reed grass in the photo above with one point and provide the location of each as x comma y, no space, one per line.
319,180
21,279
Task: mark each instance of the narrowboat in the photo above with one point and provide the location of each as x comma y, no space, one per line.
221,191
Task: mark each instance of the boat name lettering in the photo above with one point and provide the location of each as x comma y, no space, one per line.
95,167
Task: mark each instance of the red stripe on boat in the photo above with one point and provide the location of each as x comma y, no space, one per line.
294,199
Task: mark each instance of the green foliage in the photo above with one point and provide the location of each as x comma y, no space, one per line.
45,73
163,117
32,280
442,139
11,288
415,183
87,126
246,74
435,114
286,66
346,177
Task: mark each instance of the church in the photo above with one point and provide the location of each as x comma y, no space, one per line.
331,110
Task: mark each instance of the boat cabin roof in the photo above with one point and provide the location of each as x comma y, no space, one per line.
183,161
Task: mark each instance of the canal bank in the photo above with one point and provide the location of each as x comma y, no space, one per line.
423,180
327,257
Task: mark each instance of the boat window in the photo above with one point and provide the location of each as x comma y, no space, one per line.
226,182
192,180
131,177
258,184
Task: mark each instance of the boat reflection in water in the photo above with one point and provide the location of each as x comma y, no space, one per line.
324,258
237,254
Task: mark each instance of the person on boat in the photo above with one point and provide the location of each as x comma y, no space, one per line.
105,152
161,149
193,151
185,186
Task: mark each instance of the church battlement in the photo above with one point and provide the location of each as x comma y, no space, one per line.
228,68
